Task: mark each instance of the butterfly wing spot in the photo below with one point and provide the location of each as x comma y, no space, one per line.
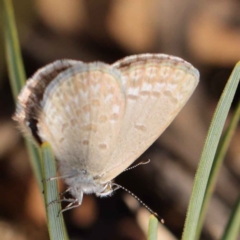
151,72
102,118
173,97
132,97
85,142
174,100
132,92
140,127
164,72
90,127
136,75
156,94
73,122
145,93
78,112
115,113
103,146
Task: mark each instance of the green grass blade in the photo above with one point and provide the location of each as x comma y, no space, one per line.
152,228
232,229
56,225
17,74
220,154
13,53
208,154
35,160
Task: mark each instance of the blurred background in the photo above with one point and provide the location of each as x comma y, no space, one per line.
205,33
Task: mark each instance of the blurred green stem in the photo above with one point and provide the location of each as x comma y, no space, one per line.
17,74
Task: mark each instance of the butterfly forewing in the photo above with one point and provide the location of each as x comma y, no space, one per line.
156,87
82,112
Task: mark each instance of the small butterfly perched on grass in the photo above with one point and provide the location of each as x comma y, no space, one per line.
100,118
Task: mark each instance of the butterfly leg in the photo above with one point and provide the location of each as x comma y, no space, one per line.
73,203
108,190
67,190
61,200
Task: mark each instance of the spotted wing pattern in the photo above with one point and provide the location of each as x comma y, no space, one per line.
156,87
82,112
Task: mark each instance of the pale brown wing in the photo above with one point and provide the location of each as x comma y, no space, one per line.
31,94
82,113
156,87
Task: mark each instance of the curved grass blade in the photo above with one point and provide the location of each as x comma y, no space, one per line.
152,228
220,154
13,53
208,154
55,220
232,229
17,74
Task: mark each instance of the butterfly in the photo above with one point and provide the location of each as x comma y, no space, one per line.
100,118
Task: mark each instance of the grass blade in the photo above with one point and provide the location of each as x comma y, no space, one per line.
208,154
232,229
56,225
17,74
220,154
152,228
13,53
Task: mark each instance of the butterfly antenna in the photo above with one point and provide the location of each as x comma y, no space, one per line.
141,163
117,186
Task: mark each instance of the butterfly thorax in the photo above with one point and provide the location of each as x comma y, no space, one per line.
82,182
